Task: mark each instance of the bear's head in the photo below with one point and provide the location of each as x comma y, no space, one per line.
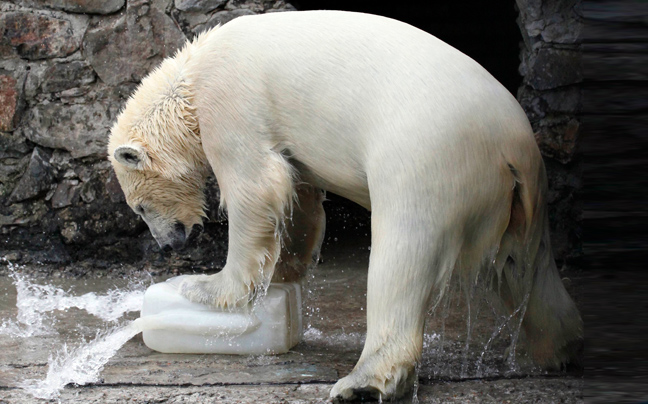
156,152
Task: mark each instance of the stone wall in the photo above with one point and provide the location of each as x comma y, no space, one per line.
67,67
551,95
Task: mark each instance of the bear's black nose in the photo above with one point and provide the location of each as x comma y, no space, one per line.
166,248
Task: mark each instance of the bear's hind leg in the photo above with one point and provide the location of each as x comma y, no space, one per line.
304,232
552,323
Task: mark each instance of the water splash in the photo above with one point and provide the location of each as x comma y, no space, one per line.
347,339
80,365
36,302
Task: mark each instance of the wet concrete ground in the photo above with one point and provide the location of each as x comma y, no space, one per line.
336,310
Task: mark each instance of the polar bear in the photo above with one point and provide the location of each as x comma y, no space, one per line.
285,106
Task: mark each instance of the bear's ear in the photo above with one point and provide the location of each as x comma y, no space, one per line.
131,156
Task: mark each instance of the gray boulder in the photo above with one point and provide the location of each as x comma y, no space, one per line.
36,179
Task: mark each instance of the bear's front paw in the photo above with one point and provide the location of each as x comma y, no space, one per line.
215,290
364,384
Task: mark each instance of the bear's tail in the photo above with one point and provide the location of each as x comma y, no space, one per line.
529,278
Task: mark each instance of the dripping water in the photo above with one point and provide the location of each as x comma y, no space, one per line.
513,366
415,387
494,335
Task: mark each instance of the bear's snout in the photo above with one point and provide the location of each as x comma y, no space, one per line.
177,239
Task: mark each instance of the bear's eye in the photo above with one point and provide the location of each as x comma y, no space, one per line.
139,209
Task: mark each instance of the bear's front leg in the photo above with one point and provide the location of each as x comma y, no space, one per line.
408,261
253,249
395,320
257,198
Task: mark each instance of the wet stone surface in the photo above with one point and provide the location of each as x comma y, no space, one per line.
334,308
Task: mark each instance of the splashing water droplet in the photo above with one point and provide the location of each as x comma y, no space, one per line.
35,303
82,364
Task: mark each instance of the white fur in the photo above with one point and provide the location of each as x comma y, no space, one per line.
376,111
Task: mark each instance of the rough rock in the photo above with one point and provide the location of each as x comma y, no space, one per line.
88,193
557,138
12,167
188,21
549,22
8,102
201,6
279,6
36,179
530,10
61,160
552,68
127,47
67,192
24,214
12,145
540,104
85,6
36,36
565,100
71,233
560,30
36,73
63,76
113,189
81,129
220,17
14,256
256,6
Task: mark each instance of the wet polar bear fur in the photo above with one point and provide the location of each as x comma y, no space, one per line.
284,106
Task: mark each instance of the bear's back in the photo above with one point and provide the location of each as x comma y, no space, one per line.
335,62
360,84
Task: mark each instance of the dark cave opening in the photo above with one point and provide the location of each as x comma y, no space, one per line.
485,31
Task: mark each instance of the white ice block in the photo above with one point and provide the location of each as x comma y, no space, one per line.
173,324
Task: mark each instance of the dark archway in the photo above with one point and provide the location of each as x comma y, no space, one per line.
485,31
